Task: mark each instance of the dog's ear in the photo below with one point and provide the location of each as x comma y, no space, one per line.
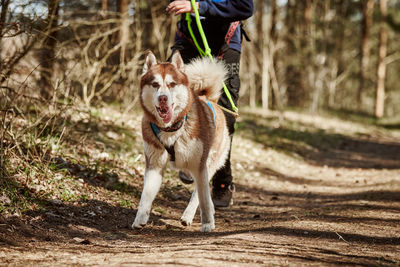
149,62
177,60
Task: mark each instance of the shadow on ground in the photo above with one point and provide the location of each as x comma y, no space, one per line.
257,211
97,219
320,147
99,224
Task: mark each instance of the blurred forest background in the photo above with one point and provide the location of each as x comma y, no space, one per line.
336,54
59,57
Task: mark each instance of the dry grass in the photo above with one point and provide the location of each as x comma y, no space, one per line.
299,181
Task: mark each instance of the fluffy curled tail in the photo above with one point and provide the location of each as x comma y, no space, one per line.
206,77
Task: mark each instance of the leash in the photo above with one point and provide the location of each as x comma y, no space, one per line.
207,52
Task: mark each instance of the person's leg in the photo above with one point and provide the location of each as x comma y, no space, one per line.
223,186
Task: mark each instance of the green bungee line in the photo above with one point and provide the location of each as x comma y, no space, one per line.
207,51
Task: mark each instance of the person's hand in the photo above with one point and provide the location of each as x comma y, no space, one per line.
180,7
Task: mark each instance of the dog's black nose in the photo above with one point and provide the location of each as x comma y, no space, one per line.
162,99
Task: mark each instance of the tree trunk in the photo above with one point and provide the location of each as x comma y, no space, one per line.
265,78
367,9
138,29
341,17
274,16
3,15
294,73
104,8
47,52
265,63
307,13
291,73
253,87
123,36
338,67
276,99
381,69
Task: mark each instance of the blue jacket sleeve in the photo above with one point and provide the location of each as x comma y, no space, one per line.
230,10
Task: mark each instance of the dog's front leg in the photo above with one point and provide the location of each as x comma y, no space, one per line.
190,211
206,205
152,183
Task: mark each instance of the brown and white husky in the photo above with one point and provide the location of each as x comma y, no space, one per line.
182,124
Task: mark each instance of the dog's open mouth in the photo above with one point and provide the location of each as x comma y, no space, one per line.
165,112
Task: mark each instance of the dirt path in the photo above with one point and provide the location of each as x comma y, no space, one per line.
302,203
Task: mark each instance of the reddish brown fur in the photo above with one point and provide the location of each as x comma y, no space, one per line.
163,69
196,107
207,129
148,134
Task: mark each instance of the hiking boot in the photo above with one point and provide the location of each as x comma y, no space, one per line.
186,179
222,195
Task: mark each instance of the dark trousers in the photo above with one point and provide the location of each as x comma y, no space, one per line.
231,59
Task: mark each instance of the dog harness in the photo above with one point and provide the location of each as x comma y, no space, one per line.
213,111
175,127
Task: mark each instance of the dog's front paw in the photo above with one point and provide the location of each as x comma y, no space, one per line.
207,227
140,220
187,217
186,221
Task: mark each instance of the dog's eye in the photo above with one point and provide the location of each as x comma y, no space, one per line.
155,84
170,85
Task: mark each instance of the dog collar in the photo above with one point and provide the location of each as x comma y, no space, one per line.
176,126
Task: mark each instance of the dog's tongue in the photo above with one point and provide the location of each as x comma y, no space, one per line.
166,114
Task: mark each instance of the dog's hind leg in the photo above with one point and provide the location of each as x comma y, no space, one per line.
206,205
152,183
190,211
